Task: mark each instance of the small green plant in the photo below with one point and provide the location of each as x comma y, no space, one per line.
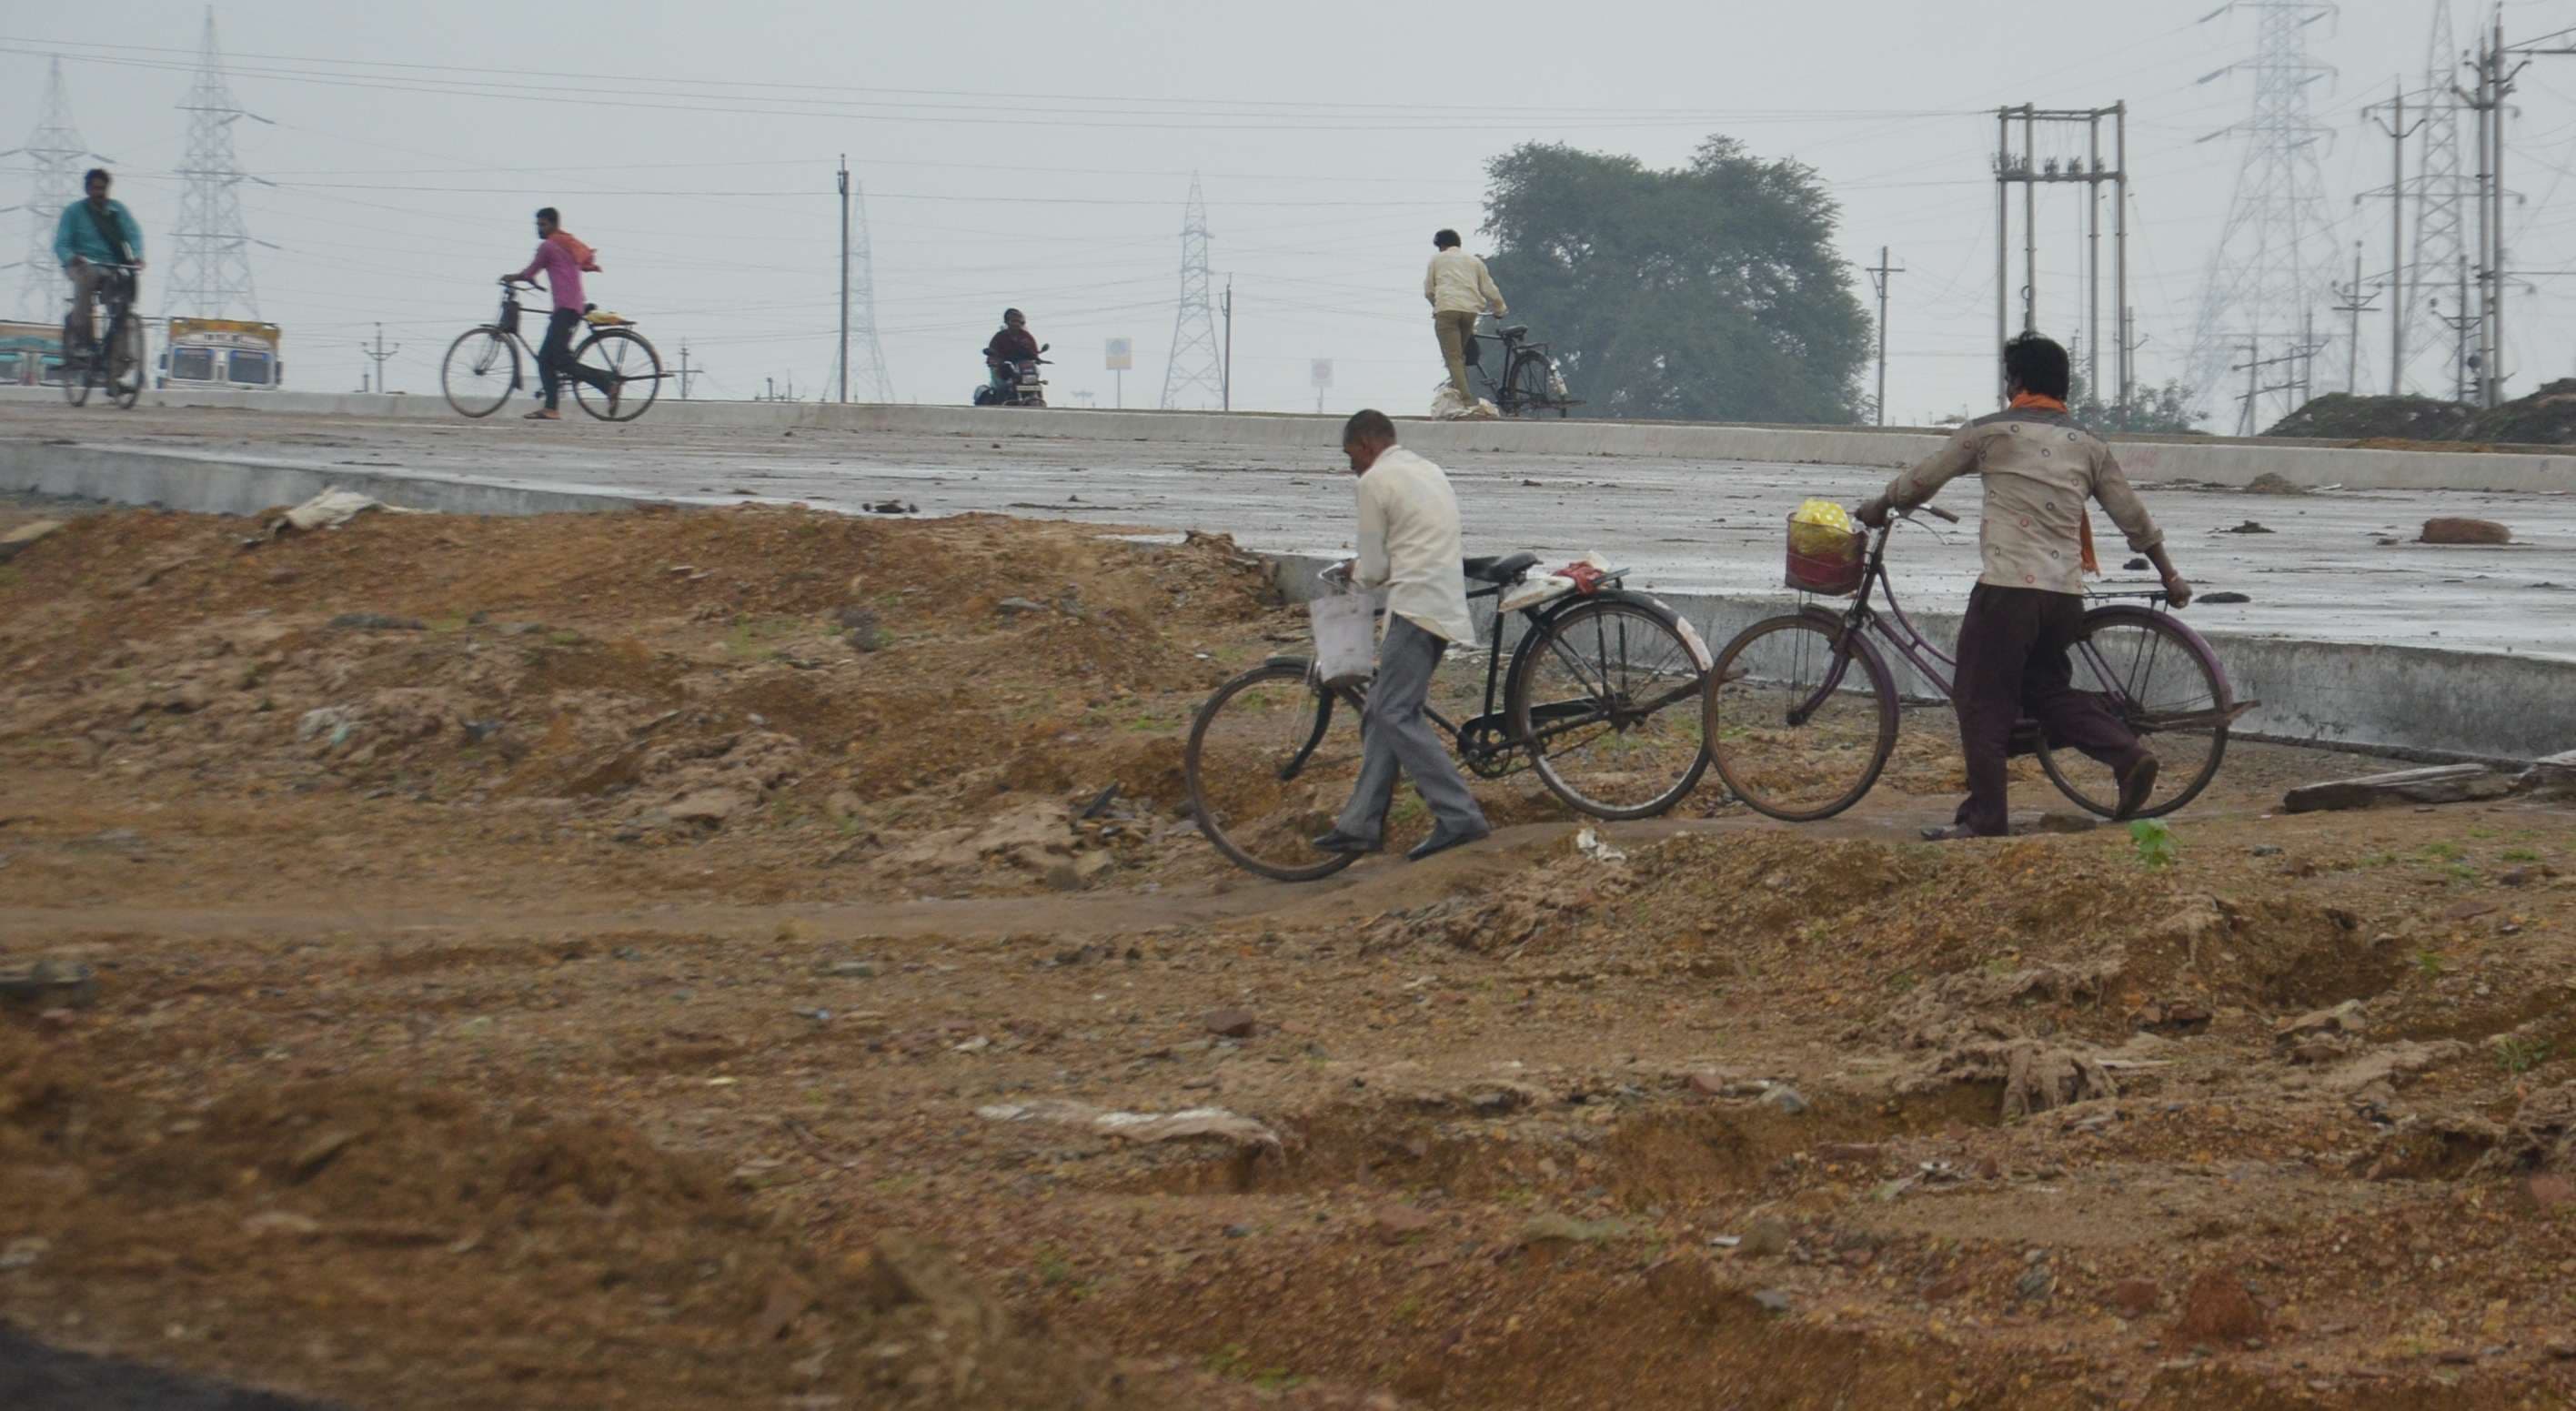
1903,981
2377,859
2516,1054
2429,964
2157,847
2521,855
1053,1268
2442,852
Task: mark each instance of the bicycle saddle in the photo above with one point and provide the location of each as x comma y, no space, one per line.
1507,569
1517,331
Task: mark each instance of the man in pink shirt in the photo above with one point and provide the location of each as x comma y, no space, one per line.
558,261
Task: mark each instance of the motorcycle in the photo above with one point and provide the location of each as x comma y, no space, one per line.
1021,388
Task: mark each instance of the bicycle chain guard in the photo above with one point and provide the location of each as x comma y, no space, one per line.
1486,747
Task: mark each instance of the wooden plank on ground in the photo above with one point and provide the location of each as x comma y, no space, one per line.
2442,783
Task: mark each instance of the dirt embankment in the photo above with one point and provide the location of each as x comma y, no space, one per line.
699,959
2545,418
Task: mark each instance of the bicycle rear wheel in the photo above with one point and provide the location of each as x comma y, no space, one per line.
1271,761
480,372
1529,386
1607,699
623,356
2163,685
1800,717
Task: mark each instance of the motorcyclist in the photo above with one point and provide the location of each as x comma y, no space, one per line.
1010,347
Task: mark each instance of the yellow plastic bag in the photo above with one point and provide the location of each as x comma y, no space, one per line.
1821,529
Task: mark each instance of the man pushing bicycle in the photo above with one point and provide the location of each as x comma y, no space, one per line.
2039,467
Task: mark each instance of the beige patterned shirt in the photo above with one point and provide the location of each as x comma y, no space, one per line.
2039,467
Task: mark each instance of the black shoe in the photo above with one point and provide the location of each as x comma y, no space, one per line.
1440,842
1948,833
1338,841
2136,787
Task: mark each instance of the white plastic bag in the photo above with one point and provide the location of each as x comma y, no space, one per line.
1345,637
1447,405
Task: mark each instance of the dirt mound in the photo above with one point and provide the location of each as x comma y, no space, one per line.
512,1237
2545,418
2338,416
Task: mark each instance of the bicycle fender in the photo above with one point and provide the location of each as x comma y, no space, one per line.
1691,640
1286,661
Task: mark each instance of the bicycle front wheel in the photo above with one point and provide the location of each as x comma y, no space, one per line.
1606,698
2163,685
76,379
1271,761
1800,716
624,361
126,373
481,371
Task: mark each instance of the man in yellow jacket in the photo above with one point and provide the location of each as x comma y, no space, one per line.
1460,290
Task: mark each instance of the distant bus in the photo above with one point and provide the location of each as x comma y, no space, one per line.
31,354
221,352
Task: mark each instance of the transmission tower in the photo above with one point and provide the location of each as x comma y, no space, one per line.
55,154
2275,262
2438,275
868,381
1195,377
210,245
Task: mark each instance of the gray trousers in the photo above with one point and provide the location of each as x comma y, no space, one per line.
1395,736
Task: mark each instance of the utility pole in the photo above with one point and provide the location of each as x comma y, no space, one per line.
1878,275
2256,389
1225,395
686,373
2398,130
845,276
2495,84
2356,303
2028,169
380,354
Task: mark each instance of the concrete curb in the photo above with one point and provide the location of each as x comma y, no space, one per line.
2415,701
2212,460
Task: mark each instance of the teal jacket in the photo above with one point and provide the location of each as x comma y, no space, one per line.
77,234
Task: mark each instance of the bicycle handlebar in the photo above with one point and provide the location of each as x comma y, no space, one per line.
1938,513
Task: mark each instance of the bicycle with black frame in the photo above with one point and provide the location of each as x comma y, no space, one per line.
1530,384
620,371
1599,693
116,361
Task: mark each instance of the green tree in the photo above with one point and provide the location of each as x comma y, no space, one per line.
1710,291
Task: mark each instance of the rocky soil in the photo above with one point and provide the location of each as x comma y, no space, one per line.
762,958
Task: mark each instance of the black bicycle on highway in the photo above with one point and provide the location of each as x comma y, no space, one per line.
485,365
115,362
1530,384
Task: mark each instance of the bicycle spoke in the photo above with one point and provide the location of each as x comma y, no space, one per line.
2139,667
1799,728
1608,741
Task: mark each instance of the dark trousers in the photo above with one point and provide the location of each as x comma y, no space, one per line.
1396,737
2013,663
554,359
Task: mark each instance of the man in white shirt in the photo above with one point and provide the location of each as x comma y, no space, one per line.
1409,545
1459,289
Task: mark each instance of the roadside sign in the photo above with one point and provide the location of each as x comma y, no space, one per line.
1122,354
1323,373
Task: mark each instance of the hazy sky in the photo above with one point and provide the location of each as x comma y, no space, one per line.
1036,153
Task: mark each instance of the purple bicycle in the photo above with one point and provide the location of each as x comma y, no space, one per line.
1800,712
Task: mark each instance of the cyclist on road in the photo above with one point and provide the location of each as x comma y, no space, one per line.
1459,289
1409,545
93,233
561,259
1010,347
2039,467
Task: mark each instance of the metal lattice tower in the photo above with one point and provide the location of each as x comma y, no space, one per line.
869,380
2438,269
210,245
2275,264
55,154
1195,376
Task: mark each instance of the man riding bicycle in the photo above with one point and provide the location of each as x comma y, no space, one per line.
93,236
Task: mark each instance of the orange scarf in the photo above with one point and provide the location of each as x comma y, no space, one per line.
588,258
2083,520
